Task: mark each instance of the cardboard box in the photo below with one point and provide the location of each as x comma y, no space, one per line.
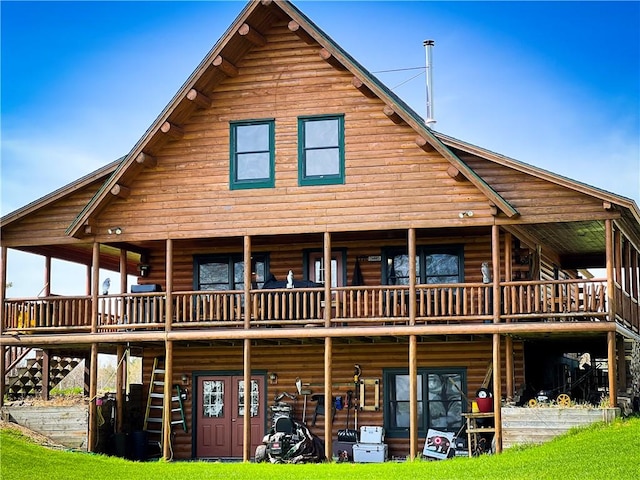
371,435
369,452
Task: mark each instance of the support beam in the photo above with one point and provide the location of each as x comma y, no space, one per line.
247,281
328,311
166,407
328,381
497,391
495,274
608,233
172,131
123,271
301,32
46,374
611,360
252,35
168,306
246,419
95,287
3,367
362,88
330,59
47,276
92,439
413,395
146,160
120,191
453,172
412,275
225,66
121,382
3,295
393,115
199,98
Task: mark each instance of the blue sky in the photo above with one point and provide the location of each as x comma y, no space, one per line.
553,84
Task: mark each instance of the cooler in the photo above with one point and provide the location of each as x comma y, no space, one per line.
369,452
371,434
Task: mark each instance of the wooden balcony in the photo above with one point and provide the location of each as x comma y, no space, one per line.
465,303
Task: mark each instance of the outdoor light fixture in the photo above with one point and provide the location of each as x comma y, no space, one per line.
185,379
466,213
273,378
144,269
115,231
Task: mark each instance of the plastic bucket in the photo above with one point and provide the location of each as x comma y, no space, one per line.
485,405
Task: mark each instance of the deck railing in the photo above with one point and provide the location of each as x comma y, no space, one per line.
369,305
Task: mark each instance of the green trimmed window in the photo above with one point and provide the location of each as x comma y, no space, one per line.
433,265
321,150
252,146
441,400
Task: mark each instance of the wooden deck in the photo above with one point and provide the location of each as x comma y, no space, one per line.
465,303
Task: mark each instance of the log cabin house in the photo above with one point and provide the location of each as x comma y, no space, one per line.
433,266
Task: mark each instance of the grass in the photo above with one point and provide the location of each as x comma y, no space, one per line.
596,452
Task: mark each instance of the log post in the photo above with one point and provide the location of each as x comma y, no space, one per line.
167,406
226,67
301,32
362,88
497,391
172,131
328,380
47,276
3,296
252,35
46,374
331,60
394,117
413,394
246,419
168,307
121,379
146,160
199,98
247,281
95,291
611,360
608,224
328,304
508,341
92,439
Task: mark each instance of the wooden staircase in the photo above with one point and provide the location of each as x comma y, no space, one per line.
155,405
24,375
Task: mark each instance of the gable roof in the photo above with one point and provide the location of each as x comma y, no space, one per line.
239,38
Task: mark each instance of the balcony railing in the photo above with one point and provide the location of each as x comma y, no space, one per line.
363,305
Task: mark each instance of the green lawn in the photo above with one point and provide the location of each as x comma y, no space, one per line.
597,452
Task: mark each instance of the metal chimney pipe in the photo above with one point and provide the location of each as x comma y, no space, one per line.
429,119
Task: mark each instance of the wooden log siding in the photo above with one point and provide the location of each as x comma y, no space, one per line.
188,192
307,362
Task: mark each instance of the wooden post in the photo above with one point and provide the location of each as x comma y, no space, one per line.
611,359
123,271
247,281
497,366
47,276
3,366
46,374
608,224
508,340
3,295
93,393
497,391
413,395
95,279
246,426
87,284
168,307
168,393
412,276
328,380
328,304
121,378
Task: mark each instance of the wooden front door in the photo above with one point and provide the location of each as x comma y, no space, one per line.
220,415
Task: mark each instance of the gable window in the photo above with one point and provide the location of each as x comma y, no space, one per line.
433,265
252,154
440,400
321,150
226,272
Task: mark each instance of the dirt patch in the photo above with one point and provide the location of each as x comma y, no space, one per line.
57,401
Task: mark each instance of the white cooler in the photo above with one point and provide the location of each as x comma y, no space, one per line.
371,434
369,452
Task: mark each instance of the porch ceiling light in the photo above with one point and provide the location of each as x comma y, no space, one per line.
114,231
